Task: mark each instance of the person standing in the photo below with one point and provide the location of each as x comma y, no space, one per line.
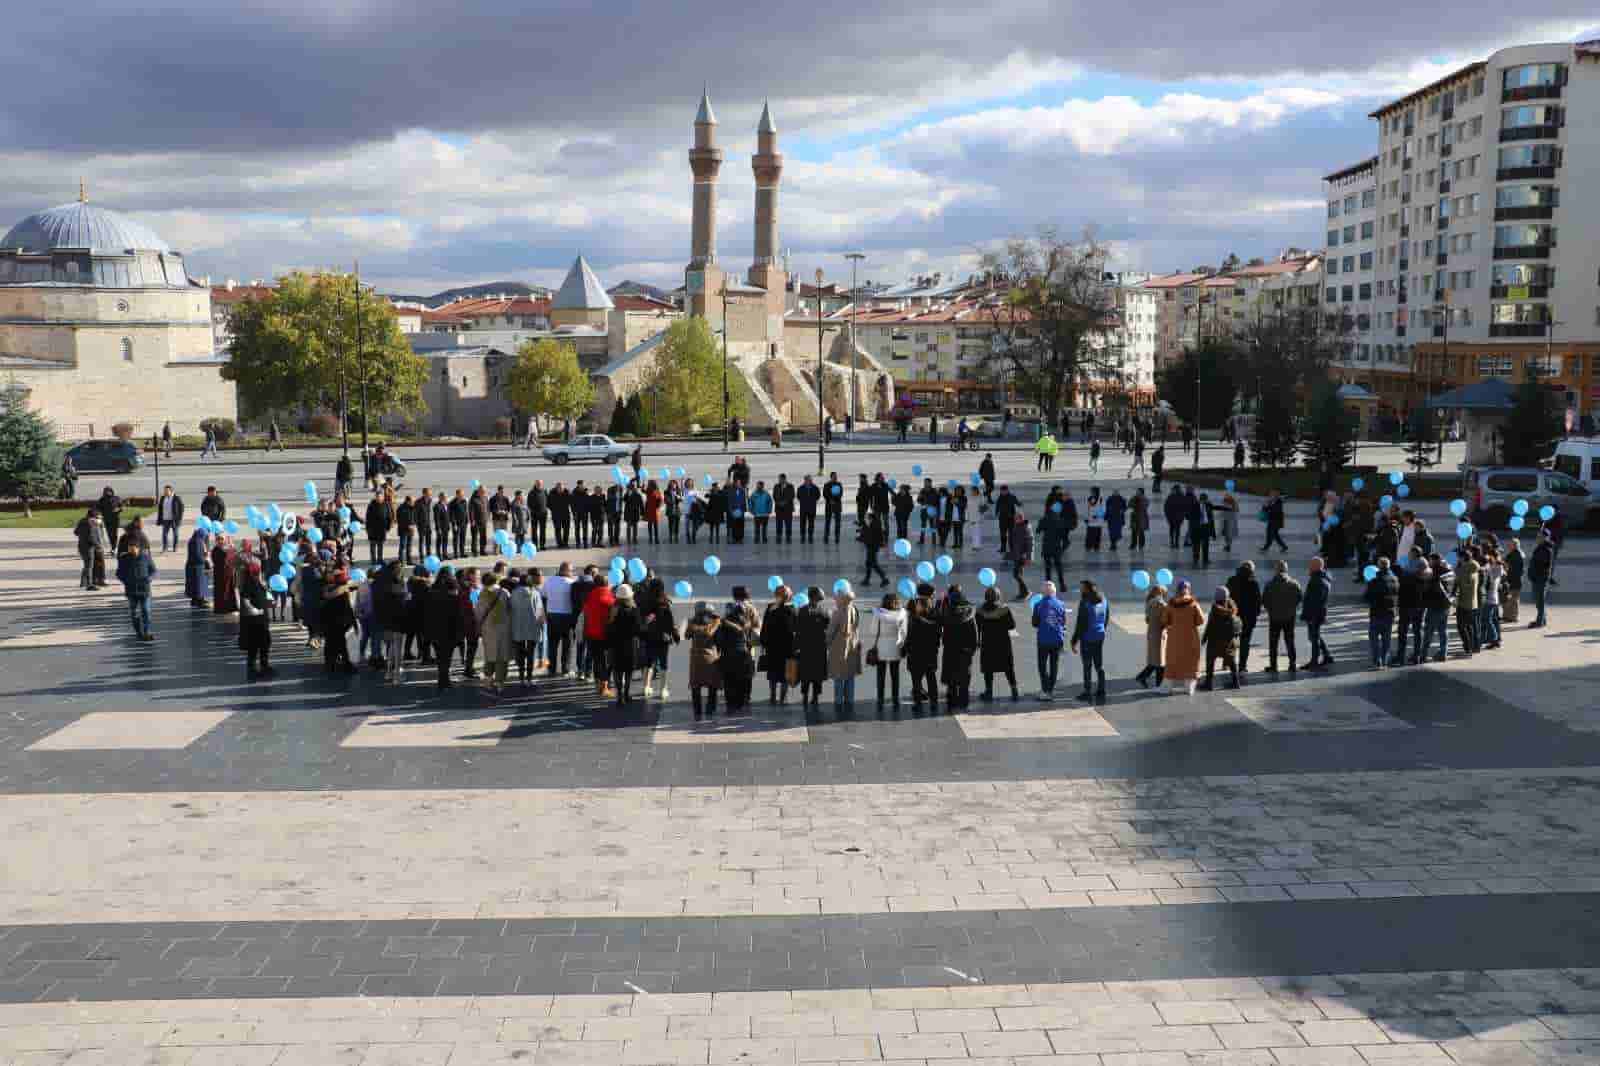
1053,533
734,637
633,511
1516,567
135,569
1094,517
343,474
1438,597
760,504
1155,633
93,547
405,521
783,501
1314,612
811,648
924,632
1089,639
1245,593
255,630
1019,550
478,519
1183,624
540,504
1281,599
527,625
1175,508
1273,509
380,515
833,508
844,649
519,520
560,615
778,644
1382,597
596,617
996,624
872,537
1221,639
460,516
1494,573
1202,527
169,516
1116,516
1229,509
393,614
1005,514
888,636
807,496
960,638
1411,576
1158,462
705,659
1050,621
442,623
422,517
1094,455
986,474
1140,525
1138,457
624,627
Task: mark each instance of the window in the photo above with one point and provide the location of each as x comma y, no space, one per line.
1333,265
1348,235
1388,320
1530,155
1333,237
1524,236
1477,87
1333,209
1532,74
1433,138
1368,230
1475,127
1530,115
127,349
1347,264
1519,275
1366,260
1348,293
1366,290
1369,198
1526,196
1520,313
1333,293
1349,205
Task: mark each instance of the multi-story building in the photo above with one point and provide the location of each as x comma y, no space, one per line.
1350,269
1177,296
1488,227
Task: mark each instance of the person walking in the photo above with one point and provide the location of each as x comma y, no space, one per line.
1158,463
778,638
1281,600
166,438
1138,458
811,648
1053,533
1183,624
705,659
343,474
1050,622
844,649
135,569
924,633
1089,639
623,628
1273,510
1541,565
986,475
872,537
960,638
887,637
1155,636
1314,612
210,449
1202,527
1221,639
1019,550
1382,597
996,624
1229,528
1245,593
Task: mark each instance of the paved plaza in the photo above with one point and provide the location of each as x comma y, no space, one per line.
1363,867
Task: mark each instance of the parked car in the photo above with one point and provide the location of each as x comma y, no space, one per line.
1491,491
595,446
1579,458
106,456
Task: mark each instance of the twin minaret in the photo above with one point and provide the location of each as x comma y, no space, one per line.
705,160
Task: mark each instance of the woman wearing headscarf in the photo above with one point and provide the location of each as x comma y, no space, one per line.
705,659
844,648
623,629
492,613
924,631
777,644
995,626
197,569
255,634
1182,621
811,647
1222,638
1155,636
527,623
223,560
338,618
960,637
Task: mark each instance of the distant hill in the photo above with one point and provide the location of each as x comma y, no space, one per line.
639,288
470,292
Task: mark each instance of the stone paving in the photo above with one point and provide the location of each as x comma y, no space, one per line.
1368,867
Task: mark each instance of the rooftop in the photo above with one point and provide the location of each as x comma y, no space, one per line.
581,291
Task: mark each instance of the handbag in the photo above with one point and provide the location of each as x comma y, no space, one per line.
791,672
872,656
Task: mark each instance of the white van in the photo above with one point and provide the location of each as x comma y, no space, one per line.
1579,457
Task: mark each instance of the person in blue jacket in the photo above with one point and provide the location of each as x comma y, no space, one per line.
1050,619
1089,638
761,510
135,569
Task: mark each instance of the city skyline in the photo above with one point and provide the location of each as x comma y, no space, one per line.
915,141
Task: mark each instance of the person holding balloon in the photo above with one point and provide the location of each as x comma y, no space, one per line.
255,634
1155,629
778,641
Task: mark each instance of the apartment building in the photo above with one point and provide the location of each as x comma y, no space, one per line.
1350,269
1487,252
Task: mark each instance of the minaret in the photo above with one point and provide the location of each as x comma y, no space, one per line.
705,159
766,272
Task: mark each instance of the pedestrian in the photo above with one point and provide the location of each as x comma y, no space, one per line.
442,623
343,475
1094,520
169,516
1175,508
1411,576
986,474
1245,593
960,639
1382,597
1281,599
1116,516
1222,640
705,669
1089,638
1138,459
460,516
1155,636
1469,600
623,629
844,648
1019,550
210,449
811,648
478,520
1494,573
996,624
1229,528
1140,524
337,616
778,644
1050,621
1541,565
166,438
135,569
255,630
1438,598
1053,533
1516,567
872,537
596,617
1314,612
379,518
1183,624
734,637
1202,527
94,544
1272,513
528,621
887,636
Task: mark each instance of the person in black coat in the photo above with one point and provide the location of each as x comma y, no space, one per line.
457,513
995,626
872,538
539,516
960,638
1245,591
417,588
560,505
778,644
904,504
806,498
478,519
110,507
422,515
441,623
379,517
405,523
811,647
924,632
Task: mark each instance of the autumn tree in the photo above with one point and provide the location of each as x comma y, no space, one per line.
546,380
684,386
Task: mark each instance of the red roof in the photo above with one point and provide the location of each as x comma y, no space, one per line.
222,294
637,302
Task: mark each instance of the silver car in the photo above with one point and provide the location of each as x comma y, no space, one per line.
1492,491
594,446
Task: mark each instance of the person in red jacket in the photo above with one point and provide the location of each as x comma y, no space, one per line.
596,618
653,500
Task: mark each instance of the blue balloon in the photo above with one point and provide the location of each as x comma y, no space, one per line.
680,472
1520,507
800,600
287,571
1035,600
637,570
683,590
738,514
1458,507
665,473
502,535
1395,477
944,564
1228,484
344,514
710,480
1403,491
618,562
902,548
836,490
1370,572
288,555
508,549
713,565
432,564
925,570
358,576
841,587
933,512
1385,502
202,523
475,485
893,484
986,577
311,491
1358,483
907,588
277,583
1451,558
1141,579
528,550
472,597
1164,577
774,583
356,527
916,470
1517,522
1546,513
1464,530
952,484
1056,507
314,535
977,480
619,475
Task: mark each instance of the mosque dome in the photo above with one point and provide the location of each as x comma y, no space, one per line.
82,226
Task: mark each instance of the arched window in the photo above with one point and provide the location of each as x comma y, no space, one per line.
127,349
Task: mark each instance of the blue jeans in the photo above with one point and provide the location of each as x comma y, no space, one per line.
1093,653
1436,620
1380,631
1539,588
169,529
1489,623
844,693
139,609
1049,664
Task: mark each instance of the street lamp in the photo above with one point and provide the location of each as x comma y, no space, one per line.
821,457
344,393
724,363
855,298
361,362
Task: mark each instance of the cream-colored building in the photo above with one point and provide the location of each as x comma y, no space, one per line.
100,323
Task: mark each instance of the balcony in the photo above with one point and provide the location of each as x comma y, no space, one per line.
1407,163
1444,184
1517,329
1405,264
1442,258
1529,133
1524,292
1399,331
1409,130
1524,251
1509,214
1405,198
1522,173
1531,92
1447,149
1444,221
1405,231
1438,331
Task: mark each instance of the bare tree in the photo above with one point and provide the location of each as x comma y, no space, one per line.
1052,319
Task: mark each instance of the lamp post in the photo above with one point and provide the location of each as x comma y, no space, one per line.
855,298
821,455
725,426
361,363
344,393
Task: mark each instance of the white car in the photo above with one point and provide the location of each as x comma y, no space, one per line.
595,446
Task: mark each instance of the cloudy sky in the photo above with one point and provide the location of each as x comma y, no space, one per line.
452,144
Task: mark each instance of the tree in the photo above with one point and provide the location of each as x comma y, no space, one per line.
546,380
1329,442
1420,454
685,383
1532,428
1272,438
1053,319
1214,365
30,458
289,349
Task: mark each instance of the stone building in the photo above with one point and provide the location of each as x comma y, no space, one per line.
100,323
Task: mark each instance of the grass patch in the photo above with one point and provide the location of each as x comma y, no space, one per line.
53,519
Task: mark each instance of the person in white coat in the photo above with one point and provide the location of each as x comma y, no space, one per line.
527,624
886,636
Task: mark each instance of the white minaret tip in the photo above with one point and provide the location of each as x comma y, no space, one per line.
767,125
706,116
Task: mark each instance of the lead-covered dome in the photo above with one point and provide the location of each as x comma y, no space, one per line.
82,226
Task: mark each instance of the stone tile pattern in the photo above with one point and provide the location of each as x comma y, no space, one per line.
1504,1018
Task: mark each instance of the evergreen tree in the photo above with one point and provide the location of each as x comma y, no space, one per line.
1272,442
30,458
1420,448
619,421
1531,430
1214,363
1330,432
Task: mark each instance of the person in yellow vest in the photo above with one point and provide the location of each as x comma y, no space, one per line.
1047,448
